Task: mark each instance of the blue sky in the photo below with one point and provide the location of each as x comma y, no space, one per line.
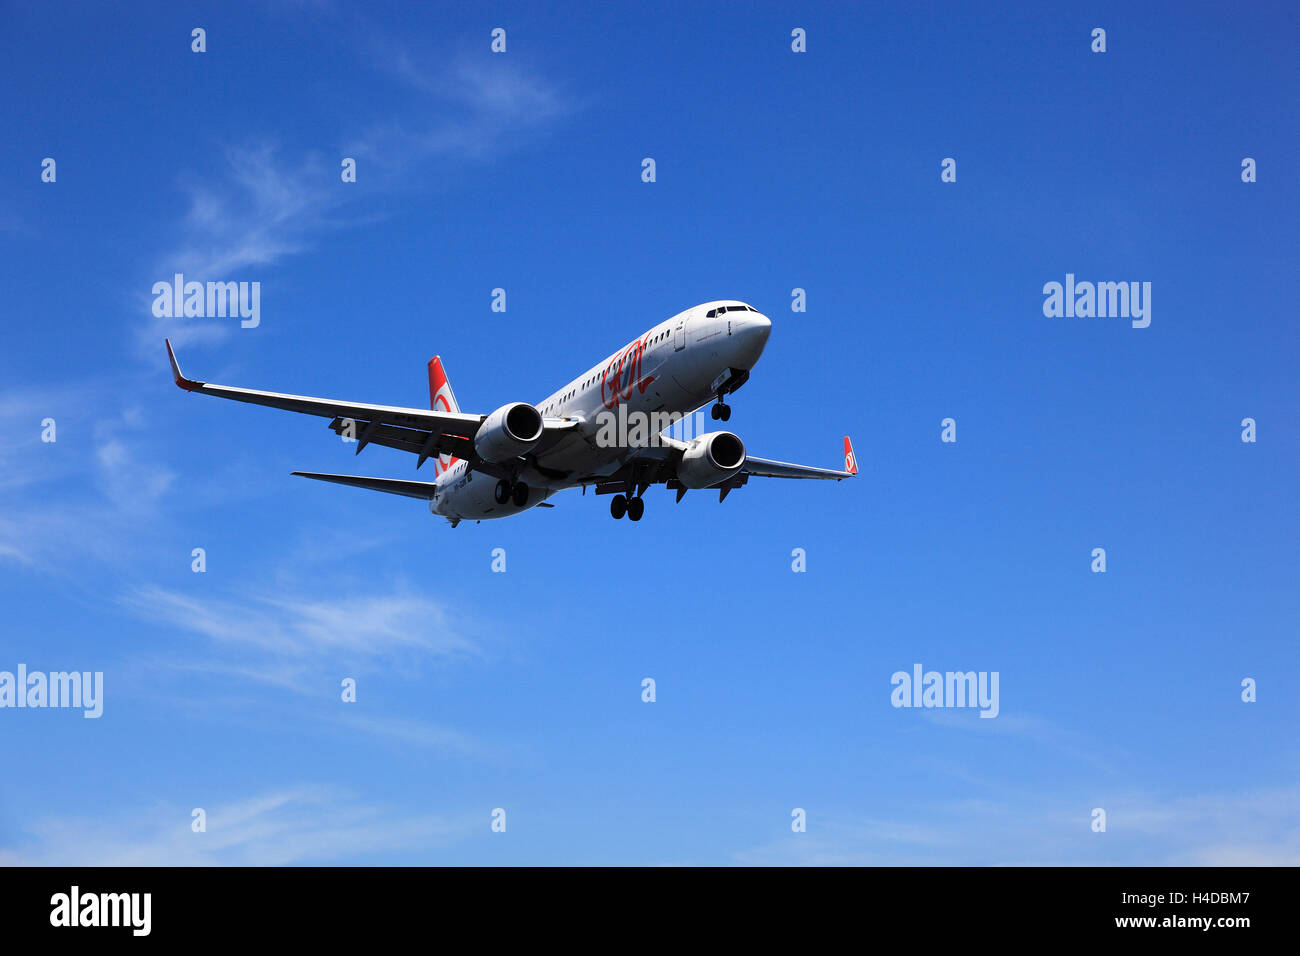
776,170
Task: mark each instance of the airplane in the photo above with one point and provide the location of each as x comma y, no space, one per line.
500,464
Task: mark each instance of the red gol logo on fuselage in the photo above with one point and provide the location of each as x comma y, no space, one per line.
619,378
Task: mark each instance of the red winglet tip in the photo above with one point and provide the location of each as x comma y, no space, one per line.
850,459
181,381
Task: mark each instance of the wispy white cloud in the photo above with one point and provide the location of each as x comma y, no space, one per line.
413,732
263,208
237,693
130,478
259,207
283,638
265,202
286,648
1029,727
1252,828
99,493
298,825
1258,827
105,460
480,105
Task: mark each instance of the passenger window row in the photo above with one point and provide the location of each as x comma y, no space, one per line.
595,378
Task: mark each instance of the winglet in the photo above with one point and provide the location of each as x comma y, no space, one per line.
850,459
181,381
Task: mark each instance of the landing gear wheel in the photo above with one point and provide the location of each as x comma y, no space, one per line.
618,506
724,412
502,492
520,494
715,411
635,508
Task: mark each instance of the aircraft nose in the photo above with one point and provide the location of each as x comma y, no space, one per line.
752,334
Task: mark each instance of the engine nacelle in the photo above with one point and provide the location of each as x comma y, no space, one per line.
510,431
711,458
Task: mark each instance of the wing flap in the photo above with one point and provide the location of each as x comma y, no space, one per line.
404,439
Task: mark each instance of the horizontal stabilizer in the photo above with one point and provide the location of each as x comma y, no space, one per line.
392,486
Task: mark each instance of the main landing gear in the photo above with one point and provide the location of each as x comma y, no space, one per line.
515,491
634,508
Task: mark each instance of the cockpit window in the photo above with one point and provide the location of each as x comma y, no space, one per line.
737,308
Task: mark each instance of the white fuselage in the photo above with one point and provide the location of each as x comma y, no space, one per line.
673,368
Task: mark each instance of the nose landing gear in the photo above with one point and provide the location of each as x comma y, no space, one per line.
723,385
726,383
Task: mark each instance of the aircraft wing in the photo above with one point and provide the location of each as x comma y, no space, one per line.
767,468
417,430
658,464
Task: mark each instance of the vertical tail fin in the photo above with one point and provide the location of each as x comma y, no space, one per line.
441,398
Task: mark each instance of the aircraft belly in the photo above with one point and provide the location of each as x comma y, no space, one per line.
475,500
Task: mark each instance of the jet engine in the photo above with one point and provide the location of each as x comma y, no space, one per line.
510,431
711,458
